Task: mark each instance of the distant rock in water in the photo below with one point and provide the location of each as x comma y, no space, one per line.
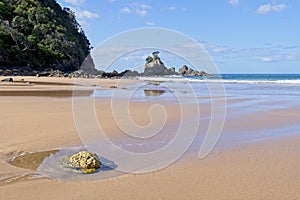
155,67
186,71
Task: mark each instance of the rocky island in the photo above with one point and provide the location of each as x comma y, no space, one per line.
155,67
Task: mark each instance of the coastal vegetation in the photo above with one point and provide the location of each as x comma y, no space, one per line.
40,34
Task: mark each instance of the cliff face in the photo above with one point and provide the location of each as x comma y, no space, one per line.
40,34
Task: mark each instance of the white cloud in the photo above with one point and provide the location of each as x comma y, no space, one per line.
265,58
145,7
185,9
84,14
141,12
171,8
74,2
234,2
175,8
150,23
279,7
271,53
139,9
213,48
266,8
126,10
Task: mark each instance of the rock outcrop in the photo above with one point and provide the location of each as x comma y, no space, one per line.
155,67
186,71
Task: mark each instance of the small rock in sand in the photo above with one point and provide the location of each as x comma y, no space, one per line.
8,80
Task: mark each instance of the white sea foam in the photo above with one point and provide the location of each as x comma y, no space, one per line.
212,80
295,82
165,79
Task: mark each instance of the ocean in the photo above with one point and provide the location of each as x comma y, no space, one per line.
232,85
253,78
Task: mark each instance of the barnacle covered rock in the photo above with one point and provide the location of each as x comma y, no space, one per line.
84,161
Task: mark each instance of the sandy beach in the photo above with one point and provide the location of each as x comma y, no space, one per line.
38,116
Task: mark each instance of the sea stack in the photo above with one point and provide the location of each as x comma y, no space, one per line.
155,67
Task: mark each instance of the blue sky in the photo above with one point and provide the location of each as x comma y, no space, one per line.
241,36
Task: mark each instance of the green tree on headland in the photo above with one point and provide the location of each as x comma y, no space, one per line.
40,34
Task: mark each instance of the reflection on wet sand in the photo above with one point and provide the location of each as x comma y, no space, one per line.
47,93
154,82
31,160
154,92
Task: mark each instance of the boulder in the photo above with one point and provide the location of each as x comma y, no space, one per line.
127,73
114,73
183,70
86,161
172,70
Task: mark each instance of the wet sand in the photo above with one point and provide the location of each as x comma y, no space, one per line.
262,169
45,93
31,160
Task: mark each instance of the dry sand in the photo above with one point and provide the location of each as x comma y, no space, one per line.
262,170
